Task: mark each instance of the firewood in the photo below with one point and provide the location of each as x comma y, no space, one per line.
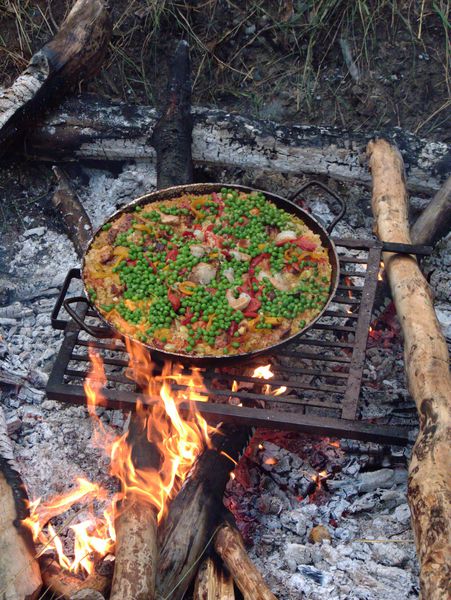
435,221
229,545
429,382
20,578
196,511
67,586
74,53
136,551
136,526
174,162
89,127
75,220
213,583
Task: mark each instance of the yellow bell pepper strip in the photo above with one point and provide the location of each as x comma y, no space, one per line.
252,324
273,320
211,318
143,227
162,334
187,287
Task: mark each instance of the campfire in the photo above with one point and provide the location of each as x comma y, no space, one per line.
286,453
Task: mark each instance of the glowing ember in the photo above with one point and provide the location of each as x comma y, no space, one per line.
177,441
271,460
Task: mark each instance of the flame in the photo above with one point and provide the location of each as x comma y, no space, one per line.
171,441
380,275
266,373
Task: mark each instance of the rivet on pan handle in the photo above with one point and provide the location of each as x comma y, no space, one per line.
292,197
98,332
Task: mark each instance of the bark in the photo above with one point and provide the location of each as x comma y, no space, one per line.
195,512
136,527
213,583
172,135
67,586
75,53
136,552
426,364
20,578
230,547
74,217
94,128
435,221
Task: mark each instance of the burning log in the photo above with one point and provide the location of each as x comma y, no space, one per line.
136,526
75,220
174,162
435,221
74,53
20,578
95,128
196,511
213,583
426,363
230,547
68,586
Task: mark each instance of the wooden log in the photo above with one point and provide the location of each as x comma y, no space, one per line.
68,586
426,364
73,216
229,545
136,526
174,161
74,53
196,511
213,582
435,221
20,578
94,128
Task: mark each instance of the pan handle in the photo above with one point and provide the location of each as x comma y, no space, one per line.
292,198
97,332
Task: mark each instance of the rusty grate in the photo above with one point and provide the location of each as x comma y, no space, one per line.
322,372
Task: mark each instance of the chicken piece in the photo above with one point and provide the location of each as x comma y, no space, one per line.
203,273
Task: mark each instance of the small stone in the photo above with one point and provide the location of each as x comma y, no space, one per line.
13,424
318,534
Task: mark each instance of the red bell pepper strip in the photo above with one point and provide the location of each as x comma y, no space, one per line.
253,305
250,313
188,234
233,328
189,315
172,254
301,242
174,300
258,259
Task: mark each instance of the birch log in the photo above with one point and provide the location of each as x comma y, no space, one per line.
89,127
20,578
74,53
230,547
213,583
426,364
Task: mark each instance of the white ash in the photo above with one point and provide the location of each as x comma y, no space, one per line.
370,554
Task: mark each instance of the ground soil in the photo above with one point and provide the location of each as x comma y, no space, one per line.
278,60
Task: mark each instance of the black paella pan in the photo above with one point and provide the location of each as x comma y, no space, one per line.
288,205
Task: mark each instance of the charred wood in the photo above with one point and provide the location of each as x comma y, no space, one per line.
68,586
426,364
74,217
435,221
74,53
89,127
19,571
172,135
196,511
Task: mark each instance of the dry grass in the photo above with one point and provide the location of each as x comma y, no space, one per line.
248,52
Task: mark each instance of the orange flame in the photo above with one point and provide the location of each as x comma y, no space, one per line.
172,440
380,275
266,373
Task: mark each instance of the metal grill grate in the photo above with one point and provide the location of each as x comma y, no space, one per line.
322,372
